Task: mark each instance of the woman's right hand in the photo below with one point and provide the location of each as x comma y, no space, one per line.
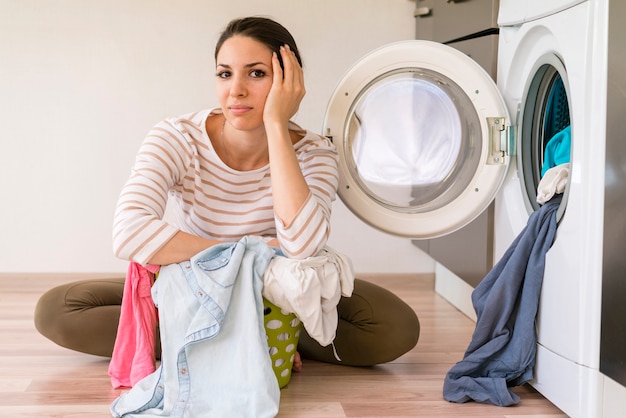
181,247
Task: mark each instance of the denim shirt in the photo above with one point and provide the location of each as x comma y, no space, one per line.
215,360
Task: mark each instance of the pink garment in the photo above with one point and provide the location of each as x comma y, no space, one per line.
133,354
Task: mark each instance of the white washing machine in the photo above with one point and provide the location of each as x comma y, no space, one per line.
426,141
549,50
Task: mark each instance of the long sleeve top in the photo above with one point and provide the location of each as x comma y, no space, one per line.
133,354
177,167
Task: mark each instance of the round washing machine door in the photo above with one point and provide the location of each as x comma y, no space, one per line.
422,136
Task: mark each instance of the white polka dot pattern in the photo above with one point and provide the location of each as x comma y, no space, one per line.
283,331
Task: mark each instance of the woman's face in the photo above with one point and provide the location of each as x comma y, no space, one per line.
244,78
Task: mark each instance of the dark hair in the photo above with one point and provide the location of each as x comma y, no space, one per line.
264,30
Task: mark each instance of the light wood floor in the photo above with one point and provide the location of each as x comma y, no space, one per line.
40,379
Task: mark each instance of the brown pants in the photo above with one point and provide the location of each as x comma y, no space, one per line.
375,326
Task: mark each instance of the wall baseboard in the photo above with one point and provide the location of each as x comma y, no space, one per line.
456,291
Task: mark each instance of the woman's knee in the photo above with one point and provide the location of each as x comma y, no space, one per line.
376,326
398,318
375,305
82,315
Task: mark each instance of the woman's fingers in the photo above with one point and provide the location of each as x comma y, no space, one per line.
293,71
293,79
287,86
287,56
278,71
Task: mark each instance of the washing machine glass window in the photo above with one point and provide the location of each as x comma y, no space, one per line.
408,142
545,117
422,138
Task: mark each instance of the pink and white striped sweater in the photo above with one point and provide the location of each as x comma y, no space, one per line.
178,167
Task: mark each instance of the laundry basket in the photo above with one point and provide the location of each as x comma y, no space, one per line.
283,331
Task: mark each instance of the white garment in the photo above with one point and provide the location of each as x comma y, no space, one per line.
553,182
311,288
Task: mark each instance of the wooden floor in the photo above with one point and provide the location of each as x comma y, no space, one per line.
39,379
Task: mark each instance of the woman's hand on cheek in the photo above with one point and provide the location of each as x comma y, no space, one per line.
287,89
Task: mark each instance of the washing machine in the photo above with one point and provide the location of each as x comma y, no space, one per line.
427,140
553,70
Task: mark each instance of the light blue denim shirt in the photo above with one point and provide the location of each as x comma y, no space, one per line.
215,360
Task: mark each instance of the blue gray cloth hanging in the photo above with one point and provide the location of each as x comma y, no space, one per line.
502,351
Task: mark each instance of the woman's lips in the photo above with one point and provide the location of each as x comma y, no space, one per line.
239,109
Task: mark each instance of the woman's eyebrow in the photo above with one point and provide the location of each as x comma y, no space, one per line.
252,64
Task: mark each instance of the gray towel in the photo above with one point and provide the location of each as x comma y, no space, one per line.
502,351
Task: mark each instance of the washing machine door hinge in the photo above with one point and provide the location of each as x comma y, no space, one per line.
499,141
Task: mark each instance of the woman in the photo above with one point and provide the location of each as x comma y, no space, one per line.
238,170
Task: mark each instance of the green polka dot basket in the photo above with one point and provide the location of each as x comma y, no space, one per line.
283,331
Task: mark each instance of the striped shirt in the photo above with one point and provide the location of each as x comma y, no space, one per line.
176,167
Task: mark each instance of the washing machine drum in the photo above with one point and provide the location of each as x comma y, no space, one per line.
422,136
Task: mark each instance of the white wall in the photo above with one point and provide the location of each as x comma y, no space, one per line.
81,82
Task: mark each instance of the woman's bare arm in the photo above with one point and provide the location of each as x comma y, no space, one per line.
289,188
181,247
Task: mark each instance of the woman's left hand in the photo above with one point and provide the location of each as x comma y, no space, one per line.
289,188
287,89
